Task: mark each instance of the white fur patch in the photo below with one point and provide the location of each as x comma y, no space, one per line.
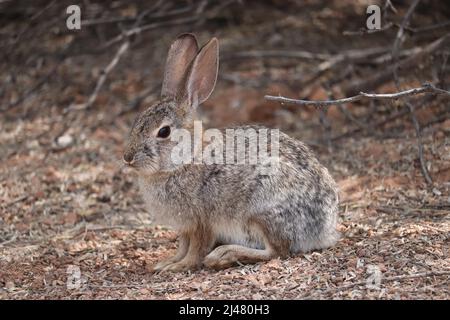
230,231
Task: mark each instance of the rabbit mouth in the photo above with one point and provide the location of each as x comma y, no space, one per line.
143,164
131,165
141,167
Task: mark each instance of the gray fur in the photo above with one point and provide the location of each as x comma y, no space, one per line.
294,210
299,205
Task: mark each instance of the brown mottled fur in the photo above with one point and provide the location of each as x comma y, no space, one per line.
225,213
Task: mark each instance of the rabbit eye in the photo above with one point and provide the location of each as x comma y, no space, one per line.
164,132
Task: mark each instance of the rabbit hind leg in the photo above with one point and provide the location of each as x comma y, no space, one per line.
226,256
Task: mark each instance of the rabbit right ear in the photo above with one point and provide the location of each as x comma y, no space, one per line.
181,53
202,75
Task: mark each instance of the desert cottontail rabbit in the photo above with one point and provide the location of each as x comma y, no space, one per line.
225,213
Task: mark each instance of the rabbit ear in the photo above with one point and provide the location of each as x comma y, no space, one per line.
202,75
181,53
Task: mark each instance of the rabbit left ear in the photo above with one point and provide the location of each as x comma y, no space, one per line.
181,53
202,75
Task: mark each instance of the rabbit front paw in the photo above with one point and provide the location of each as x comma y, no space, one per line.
162,264
179,266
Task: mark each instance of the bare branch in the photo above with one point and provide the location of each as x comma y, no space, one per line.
151,26
101,80
111,20
278,53
30,91
386,74
426,88
352,55
364,31
416,124
399,114
401,30
395,49
390,25
429,28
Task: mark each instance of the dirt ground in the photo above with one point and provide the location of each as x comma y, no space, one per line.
68,205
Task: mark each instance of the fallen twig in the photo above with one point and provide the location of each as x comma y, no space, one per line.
405,209
151,26
101,80
395,50
429,28
159,15
364,31
416,124
392,117
350,55
297,54
400,32
10,240
386,74
390,25
426,88
30,91
19,199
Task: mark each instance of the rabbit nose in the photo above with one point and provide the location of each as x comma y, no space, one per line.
128,157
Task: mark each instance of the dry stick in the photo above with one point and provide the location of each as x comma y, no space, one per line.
401,30
138,30
441,118
364,31
159,15
389,5
101,80
199,15
122,49
19,35
19,199
429,28
346,56
30,91
386,74
353,55
395,50
385,58
389,25
390,118
328,59
417,128
364,126
12,239
132,105
278,54
426,88
403,209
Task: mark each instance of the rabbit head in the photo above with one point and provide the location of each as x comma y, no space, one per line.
189,79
